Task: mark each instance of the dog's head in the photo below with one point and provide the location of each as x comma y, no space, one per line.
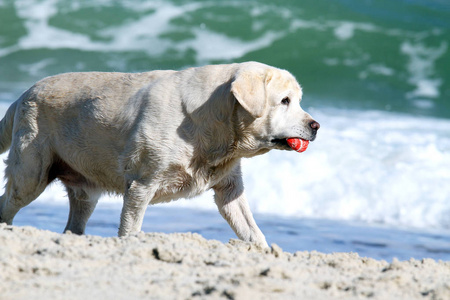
271,100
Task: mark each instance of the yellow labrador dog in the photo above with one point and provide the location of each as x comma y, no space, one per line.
153,137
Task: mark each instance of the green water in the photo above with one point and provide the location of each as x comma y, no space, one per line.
386,55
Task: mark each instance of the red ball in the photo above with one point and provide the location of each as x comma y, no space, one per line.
297,144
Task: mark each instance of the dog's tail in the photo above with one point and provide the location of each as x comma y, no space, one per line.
6,127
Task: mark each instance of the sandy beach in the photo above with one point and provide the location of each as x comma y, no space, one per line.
39,264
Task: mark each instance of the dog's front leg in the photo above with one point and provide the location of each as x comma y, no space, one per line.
233,206
135,202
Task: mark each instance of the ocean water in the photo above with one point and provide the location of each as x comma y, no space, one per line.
375,74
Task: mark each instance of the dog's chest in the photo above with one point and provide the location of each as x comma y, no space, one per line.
178,182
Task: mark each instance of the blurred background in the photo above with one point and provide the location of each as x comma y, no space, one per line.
375,74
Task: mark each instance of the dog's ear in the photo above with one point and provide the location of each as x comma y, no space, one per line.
249,89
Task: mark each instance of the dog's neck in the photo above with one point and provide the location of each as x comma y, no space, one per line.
230,133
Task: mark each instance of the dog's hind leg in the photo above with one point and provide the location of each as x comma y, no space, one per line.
27,177
82,205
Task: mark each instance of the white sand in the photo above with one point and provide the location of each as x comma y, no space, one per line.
37,264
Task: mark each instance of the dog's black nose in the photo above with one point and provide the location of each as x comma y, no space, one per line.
314,125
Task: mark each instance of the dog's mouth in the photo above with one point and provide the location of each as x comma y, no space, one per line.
281,143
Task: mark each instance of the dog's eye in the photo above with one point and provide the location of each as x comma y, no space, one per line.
286,101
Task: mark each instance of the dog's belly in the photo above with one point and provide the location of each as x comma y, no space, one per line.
90,178
67,175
